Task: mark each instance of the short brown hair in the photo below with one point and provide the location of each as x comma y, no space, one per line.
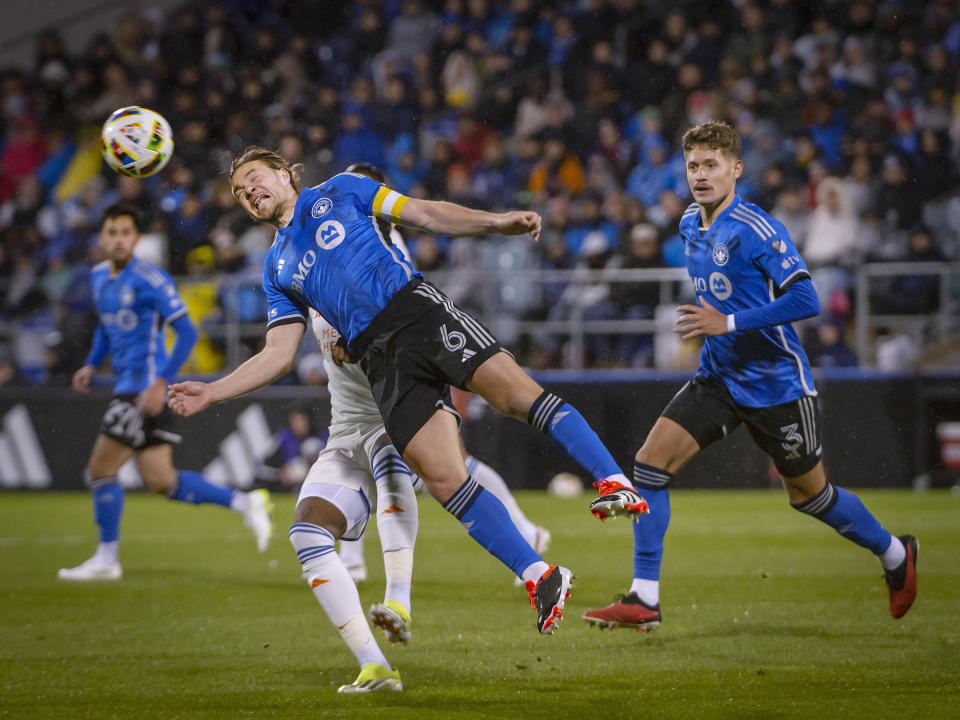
714,135
254,153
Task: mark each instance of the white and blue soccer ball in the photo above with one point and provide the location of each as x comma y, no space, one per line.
136,141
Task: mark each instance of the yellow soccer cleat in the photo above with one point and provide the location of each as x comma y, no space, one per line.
373,678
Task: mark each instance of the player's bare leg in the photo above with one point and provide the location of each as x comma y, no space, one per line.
160,476
813,494
318,524
106,458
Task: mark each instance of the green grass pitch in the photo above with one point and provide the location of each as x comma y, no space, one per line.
767,614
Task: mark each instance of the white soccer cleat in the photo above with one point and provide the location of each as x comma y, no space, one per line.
618,499
257,517
92,569
373,678
393,620
357,572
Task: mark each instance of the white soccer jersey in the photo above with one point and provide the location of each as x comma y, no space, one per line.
351,401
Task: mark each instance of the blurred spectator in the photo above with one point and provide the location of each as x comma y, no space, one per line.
791,209
829,349
560,170
919,293
587,218
298,445
831,249
495,178
499,104
21,155
898,200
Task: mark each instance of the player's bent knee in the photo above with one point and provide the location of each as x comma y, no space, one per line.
322,513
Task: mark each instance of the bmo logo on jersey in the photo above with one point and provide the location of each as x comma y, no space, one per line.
330,234
720,286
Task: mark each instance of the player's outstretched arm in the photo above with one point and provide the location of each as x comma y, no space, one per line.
276,359
445,218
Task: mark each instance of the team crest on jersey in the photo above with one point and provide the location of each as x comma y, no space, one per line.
720,254
127,296
321,207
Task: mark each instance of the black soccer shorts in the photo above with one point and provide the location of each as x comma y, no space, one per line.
124,423
789,434
415,348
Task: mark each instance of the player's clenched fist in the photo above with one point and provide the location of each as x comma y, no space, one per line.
518,222
189,398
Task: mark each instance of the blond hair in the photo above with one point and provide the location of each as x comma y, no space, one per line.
255,153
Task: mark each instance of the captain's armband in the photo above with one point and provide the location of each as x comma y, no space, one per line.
388,203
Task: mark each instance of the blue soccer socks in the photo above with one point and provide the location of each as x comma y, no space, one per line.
565,427
649,531
108,508
488,522
192,487
844,512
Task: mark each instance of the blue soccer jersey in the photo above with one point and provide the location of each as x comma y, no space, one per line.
133,305
744,260
332,256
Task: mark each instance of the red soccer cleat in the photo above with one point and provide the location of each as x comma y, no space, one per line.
626,611
902,581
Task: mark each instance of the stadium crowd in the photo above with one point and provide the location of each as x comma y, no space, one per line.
849,113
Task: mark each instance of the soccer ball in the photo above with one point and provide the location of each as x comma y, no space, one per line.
136,141
565,485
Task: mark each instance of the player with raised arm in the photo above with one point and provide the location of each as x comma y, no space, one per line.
135,300
351,551
751,284
412,343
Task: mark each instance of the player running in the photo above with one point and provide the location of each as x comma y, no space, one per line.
751,284
412,343
135,300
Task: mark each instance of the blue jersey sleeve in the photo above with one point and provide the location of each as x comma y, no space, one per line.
779,260
798,301
280,308
100,348
162,292
186,339
370,197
